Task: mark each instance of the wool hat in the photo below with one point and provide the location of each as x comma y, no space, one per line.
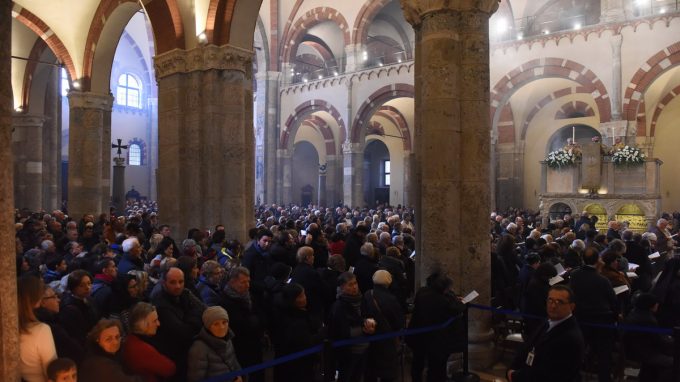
382,277
213,314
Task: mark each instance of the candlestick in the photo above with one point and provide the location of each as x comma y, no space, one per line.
573,135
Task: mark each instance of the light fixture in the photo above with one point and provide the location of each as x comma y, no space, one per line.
335,74
583,191
520,36
662,10
602,191
76,84
305,80
399,60
18,109
320,76
202,38
577,26
546,31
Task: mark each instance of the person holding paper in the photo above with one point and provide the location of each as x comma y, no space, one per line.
554,352
533,299
618,279
635,254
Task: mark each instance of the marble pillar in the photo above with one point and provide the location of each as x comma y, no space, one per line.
408,178
27,143
617,77
272,82
9,323
452,146
205,139
52,144
353,173
89,155
118,189
332,180
321,192
153,148
612,11
285,176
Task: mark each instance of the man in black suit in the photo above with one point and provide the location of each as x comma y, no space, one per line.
596,303
555,351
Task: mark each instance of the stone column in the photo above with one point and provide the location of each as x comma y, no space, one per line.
615,95
353,173
332,180
321,192
408,178
452,150
27,142
354,57
9,323
89,143
153,148
118,193
612,11
51,144
205,139
271,137
284,182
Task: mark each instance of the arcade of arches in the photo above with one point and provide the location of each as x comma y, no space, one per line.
446,106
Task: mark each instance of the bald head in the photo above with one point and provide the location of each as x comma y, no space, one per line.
173,283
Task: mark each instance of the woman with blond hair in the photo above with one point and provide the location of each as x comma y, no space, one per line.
36,344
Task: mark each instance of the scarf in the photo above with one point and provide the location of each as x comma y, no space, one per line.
245,298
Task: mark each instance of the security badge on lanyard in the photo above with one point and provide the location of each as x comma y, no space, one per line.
530,357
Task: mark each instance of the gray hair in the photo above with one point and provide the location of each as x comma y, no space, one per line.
238,271
129,243
140,311
398,239
46,244
367,249
304,253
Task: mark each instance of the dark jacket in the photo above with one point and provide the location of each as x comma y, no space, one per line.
67,346
128,263
399,286
99,366
77,317
210,356
435,308
645,347
594,296
558,354
297,330
181,319
636,254
258,263
248,325
310,279
209,293
364,269
102,295
380,304
352,249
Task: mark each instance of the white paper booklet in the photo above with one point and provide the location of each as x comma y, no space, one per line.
620,289
471,296
555,280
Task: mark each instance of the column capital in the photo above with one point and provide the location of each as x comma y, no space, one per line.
27,120
202,58
351,148
415,10
90,100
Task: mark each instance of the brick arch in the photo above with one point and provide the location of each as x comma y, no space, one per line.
395,116
307,21
148,78
218,23
641,120
46,33
545,101
372,103
550,68
300,115
660,106
659,63
506,125
108,24
574,107
320,125
31,66
375,128
362,23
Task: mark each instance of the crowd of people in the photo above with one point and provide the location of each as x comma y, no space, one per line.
617,276
118,299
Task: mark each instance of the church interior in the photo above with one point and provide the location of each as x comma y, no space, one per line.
227,104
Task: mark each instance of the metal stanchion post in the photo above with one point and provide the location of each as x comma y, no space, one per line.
676,354
327,361
465,375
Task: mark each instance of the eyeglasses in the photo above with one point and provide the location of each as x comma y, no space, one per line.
551,301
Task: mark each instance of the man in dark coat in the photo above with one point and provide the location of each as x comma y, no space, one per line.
596,303
353,245
555,351
365,267
132,257
305,275
181,315
102,294
256,258
245,319
435,304
636,254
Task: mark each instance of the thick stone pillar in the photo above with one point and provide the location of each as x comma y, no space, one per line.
612,11
27,143
321,194
452,150
284,181
9,323
52,144
205,139
271,134
332,180
153,148
118,192
615,96
89,166
353,173
408,178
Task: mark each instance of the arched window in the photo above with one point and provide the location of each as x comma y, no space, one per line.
64,82
135,155
129,92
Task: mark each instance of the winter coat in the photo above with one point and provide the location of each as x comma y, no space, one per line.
210,356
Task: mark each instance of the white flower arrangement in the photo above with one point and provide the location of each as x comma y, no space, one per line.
627,155
562,158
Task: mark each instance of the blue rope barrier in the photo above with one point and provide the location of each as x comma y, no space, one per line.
336,344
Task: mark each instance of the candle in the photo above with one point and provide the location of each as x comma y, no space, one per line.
573,135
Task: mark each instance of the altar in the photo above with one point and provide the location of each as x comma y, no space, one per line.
602,186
